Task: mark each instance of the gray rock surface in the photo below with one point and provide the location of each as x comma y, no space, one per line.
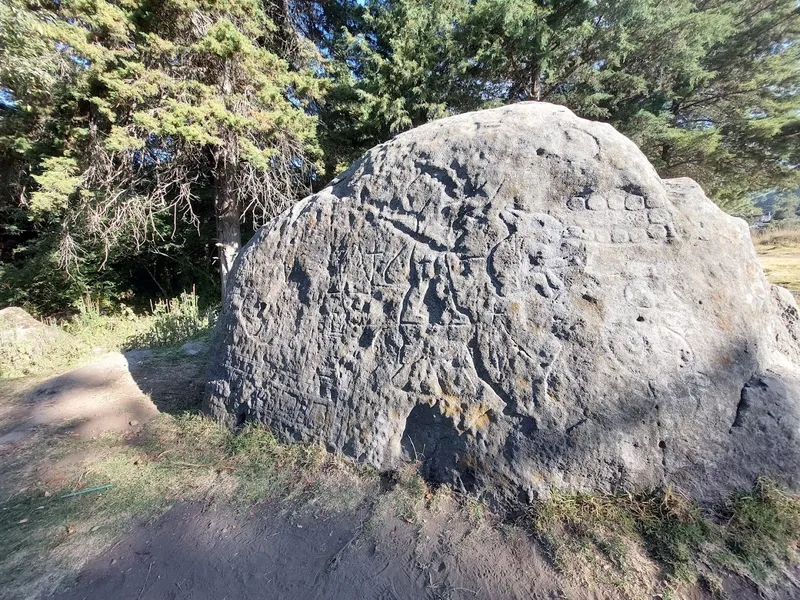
515,298
17,325
26,341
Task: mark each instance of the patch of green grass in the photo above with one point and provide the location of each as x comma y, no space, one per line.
782,267
169,324
409,492
673,530
779,253
477,511
109,332
172,322
754,534
762,529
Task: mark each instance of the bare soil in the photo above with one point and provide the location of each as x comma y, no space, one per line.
116,393
96,398
272,552
199,552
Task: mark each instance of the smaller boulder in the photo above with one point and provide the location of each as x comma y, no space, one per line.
193,348
18,324
28,346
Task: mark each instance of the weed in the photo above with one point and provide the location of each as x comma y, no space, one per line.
441,498
170,323
407,495
753,534
781,236
669,594
476,511
614,549
673,531
110,332
713,584
762,529
173,322
555,549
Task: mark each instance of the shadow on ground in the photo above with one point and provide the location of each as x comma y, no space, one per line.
270,553
197,552
174,381
116,393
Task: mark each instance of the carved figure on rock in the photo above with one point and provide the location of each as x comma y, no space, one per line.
515,298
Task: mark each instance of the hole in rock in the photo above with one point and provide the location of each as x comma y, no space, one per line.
367,337
241,415
434,304
388,481
300,277
432,439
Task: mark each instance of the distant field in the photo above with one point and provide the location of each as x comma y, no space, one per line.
779,252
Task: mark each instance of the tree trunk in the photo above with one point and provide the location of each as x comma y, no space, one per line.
536,84
227,210
226,201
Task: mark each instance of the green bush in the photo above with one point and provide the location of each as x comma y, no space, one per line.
170,323
112,332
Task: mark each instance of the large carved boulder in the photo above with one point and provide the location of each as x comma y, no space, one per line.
514,298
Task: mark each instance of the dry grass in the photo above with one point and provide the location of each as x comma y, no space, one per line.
620,538
778,237
779,252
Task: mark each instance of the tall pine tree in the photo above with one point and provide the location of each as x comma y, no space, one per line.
165,98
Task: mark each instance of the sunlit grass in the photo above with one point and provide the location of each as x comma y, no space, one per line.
755,534
779,253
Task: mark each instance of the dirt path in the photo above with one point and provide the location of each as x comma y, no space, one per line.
99,397
116,393
197,553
